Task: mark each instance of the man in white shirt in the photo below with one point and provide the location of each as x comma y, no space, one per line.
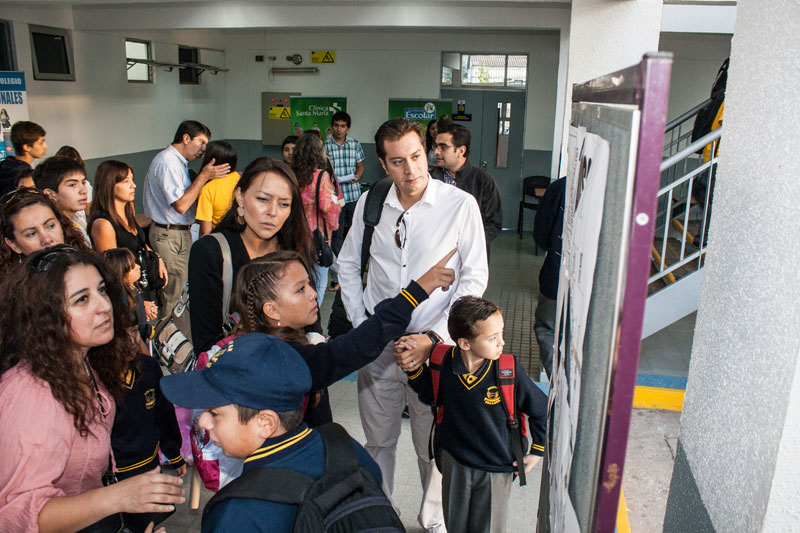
422,220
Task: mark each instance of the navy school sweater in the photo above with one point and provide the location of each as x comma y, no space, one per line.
145,421
474,429
302,450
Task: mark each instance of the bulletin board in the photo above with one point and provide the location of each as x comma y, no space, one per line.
615,147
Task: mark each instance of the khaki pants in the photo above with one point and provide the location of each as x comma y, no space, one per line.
173,246
383,390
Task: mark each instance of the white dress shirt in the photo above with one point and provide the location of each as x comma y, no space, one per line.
444,218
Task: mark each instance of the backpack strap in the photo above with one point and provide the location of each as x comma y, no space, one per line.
265,483
227,274
372,215
339,451
507,380
437,357
316,203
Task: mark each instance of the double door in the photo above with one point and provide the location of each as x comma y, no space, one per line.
497,128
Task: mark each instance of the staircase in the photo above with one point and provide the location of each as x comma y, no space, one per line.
682,218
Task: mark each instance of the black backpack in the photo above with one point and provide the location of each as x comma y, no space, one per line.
705,118
346,499
338,324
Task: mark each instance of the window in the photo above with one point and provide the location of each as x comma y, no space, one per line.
484,70
8,59
138,72
188,75
51,51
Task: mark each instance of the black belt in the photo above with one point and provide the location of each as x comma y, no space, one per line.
173,226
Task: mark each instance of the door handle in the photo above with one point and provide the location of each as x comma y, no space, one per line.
483,165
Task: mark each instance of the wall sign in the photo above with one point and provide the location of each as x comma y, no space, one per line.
13,107
323,56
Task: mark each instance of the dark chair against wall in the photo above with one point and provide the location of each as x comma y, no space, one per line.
533,188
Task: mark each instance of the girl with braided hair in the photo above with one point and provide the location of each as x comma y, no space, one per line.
275,295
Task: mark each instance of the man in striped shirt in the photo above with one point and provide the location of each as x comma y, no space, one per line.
348,166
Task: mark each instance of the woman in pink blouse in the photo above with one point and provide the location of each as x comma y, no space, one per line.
309,164
65,346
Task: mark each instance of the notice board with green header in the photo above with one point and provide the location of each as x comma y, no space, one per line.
421,110
315,113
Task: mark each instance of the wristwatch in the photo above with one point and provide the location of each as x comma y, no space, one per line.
434,337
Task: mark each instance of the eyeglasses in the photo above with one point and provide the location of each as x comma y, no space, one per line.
42,260
401,243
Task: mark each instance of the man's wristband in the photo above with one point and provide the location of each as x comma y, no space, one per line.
434,337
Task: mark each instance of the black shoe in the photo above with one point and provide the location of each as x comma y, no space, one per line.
405,412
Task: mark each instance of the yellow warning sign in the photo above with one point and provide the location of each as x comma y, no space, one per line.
323,56
280,113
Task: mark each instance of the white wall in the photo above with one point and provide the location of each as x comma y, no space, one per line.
697,59
373,66
102,114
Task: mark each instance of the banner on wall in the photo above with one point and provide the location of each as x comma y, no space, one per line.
13,107
420,110
314,113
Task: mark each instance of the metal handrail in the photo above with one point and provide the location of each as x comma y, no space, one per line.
686,116
683,186
691,149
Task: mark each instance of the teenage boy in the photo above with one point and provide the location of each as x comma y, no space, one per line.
27,138
287,149
251,393
348,157
169,201
63,180
477,458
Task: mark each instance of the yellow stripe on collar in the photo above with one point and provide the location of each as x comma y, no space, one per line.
470,380
269,450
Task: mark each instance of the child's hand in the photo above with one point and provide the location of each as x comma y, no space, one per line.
150,310
411,351
438,275
530,461
181,470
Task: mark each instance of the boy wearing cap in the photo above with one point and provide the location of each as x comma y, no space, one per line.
252,394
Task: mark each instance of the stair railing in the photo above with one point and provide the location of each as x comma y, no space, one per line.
675,204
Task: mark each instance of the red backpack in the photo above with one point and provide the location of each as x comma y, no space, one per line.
506,379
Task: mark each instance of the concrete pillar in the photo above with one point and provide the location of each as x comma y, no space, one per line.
737,466
604,36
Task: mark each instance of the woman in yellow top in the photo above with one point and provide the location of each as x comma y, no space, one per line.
216,197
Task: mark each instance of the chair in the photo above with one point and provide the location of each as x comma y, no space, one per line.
534,187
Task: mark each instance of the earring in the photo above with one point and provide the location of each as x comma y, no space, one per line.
240,215
279,322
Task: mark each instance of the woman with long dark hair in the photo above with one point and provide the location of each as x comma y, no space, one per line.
65,347
30,222
309,164
112,224
266,216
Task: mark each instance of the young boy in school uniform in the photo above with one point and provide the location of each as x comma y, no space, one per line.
477,457
251,393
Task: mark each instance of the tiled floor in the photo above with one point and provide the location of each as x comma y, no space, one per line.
513,285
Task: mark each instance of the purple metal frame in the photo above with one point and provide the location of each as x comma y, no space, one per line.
647,86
